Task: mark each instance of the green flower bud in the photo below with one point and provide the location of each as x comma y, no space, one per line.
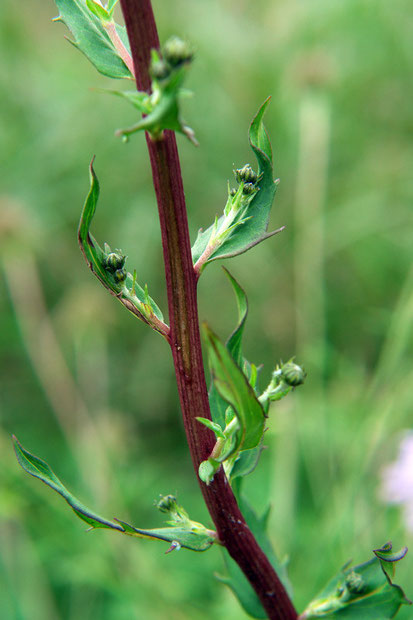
176,52
160,70
166,503
246,174
249,188
114,261
293,374
120,275
232,191
355,583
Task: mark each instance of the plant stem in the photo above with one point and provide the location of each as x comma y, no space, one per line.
184,335
117,42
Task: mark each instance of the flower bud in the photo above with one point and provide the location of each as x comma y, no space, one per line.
249,188
176,52
120,275
232,191
246,174
355,582
160,70
115,261
166,503
293,374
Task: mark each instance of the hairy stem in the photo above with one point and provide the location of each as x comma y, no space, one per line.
184,335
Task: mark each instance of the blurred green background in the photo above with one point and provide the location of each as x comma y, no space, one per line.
91,390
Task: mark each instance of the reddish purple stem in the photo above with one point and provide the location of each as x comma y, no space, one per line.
184,336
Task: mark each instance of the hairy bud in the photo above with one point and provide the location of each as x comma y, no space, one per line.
120,275
160,70
166,503
355,582
293,374
246,174
249,188
176,52
115,261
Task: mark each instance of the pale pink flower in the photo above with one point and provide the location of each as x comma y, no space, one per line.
397,480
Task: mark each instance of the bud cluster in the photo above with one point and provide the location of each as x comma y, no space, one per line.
114,262
249,188
249,178
175,53
246,174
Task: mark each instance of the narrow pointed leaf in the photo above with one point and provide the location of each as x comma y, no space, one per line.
212,426
246,460
128,292
234,388
195,537
234,343
363,592
91,38
139,100
254,229
38,468
239,584
236,580
258,526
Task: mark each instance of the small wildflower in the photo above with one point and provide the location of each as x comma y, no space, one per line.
397,480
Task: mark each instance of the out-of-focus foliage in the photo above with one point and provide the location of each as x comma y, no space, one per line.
90,388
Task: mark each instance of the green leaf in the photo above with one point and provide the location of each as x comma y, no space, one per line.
236,579
242,589
111,5
40,469
193,536
98,10
245,461
195,540
126,289
387,554
212,426
363,592
255,217
92,38
244,420
162,107
234,343
139,100
234,388
258,526
217,404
